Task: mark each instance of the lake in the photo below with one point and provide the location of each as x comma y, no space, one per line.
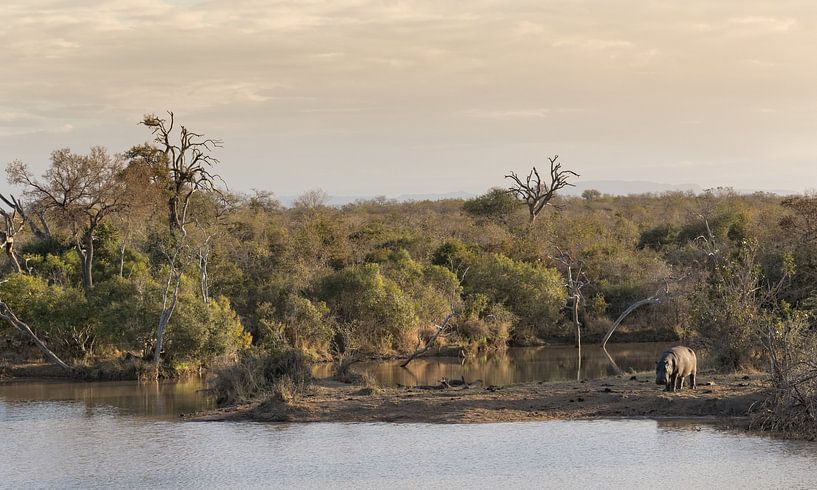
515,365
127,435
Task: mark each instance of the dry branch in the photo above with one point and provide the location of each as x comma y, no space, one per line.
431,340
9,316
537,192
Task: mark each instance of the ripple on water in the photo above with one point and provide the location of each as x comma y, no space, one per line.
61,445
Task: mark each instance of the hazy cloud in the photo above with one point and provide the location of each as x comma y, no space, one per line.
447,95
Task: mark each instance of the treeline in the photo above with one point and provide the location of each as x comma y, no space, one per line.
147,254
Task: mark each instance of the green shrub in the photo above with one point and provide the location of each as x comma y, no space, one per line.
363,296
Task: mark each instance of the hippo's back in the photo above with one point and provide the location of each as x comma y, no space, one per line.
686,360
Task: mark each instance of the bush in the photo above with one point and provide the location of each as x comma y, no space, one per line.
532,292
256,375
375,304
726,310
792,346
482,325
199,331
59,316
128,311
497,204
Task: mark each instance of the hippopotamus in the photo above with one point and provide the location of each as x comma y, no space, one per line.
674,365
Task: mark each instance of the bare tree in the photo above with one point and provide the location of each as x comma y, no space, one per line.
187,160
653,299
82,191
13,224
182,170
537,192
576,281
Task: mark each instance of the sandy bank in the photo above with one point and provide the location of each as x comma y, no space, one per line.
716,396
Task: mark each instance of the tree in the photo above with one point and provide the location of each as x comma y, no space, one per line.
81,191
185,167
182,169
495,204
14,225
576,280
9,316
591,194
537,193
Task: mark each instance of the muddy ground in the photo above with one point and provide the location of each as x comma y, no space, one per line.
626,396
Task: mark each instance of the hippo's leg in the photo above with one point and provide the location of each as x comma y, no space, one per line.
672,381
692,380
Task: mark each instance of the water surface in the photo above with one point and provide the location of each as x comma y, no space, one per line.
516,365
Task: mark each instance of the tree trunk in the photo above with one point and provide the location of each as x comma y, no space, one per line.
205,289
173,213
13,255
578,334
122,260
168,305
85,249
11,318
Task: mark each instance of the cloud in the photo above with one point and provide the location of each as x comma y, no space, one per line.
750,25
592,44
405,78
538,113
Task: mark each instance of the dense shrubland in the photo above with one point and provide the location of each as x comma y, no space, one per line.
102,249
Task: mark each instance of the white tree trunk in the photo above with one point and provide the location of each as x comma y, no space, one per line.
12,319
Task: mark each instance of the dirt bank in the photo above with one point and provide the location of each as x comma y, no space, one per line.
716,396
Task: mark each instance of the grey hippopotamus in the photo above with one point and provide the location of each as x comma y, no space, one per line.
674,365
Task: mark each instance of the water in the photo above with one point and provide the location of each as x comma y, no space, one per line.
127,435
516,365
119,435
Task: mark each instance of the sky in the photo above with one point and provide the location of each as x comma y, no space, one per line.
365,97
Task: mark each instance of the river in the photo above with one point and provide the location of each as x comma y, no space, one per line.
130,435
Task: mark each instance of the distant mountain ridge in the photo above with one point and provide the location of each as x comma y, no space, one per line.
627,187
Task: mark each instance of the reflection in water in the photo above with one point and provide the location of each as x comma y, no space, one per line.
157,400
516,365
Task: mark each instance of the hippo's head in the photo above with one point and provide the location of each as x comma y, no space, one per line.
664,369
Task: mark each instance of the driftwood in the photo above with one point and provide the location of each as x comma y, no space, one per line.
9,316
447,384
440,331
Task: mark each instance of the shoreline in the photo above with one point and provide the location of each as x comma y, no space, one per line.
729,396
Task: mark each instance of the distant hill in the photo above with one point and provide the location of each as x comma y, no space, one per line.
341,200
612,187
626,187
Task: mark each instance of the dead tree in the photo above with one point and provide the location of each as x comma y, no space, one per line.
655,298
187,159
39,228
576,280
14,224
441,330
537,192
183,171
9,316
